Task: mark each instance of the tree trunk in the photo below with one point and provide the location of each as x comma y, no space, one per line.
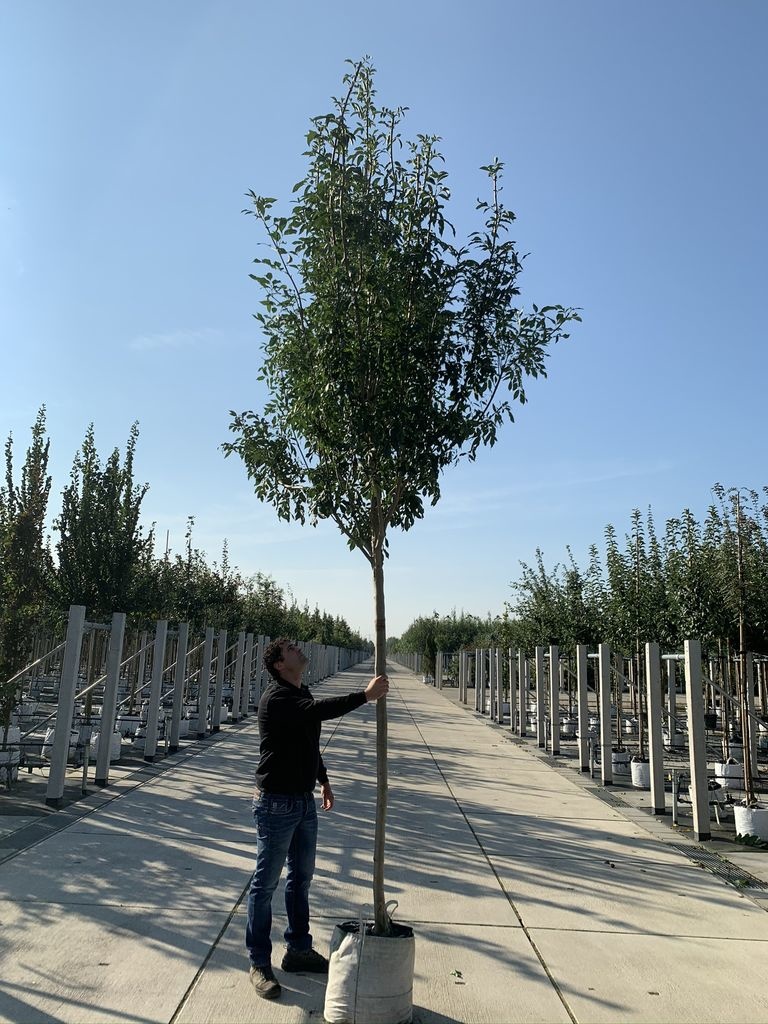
381,918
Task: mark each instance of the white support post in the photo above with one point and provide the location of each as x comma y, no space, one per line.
478,677
221,657
512,672
265,679
491,685
141,669
499,686
247,674
671,700
655,744
109,702
237,682
541,710
697,746
606,764
257,669
180,674
749,684
66,706
522,678
582,699
554,696
155,687
218,684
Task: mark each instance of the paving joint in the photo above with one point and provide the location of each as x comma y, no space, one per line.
747,884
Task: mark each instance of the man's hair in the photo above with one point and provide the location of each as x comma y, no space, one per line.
273,653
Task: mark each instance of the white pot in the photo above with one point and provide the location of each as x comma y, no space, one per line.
751,821
115,746
620,764
127,725
14,735
369,981
676,742
641,774
9,765
568,728
729,776
47,747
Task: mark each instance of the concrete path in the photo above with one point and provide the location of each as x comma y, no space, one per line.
532,899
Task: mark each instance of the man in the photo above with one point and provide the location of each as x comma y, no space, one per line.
284,809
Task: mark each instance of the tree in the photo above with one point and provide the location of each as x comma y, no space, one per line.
25,561
387,347
101,542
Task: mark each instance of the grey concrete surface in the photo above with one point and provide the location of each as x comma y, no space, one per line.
532,899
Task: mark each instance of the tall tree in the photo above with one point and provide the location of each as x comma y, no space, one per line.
388,347
101,542
25,561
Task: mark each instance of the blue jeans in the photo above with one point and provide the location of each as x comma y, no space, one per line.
286,828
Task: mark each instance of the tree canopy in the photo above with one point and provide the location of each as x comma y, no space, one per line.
390,351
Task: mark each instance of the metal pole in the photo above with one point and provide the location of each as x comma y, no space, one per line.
238,680
66,706
749,680
248,672
671,700
655,744
697,747
554,696
604,662
221,654
173,726
583,703
512,668
109,703
541,720
155,687
522,676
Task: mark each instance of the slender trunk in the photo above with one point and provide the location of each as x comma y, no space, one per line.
381,918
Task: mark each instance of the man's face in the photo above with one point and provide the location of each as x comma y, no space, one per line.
293,657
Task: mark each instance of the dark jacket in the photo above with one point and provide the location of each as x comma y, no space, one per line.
290,720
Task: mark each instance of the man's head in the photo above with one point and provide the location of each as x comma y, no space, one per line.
284,660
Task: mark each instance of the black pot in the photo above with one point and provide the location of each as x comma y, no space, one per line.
710,720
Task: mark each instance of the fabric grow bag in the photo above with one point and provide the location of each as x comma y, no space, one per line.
370,977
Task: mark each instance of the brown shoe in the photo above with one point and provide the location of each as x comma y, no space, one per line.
265,982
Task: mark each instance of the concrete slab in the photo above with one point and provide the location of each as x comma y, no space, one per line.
644,896
98,963
608,977
137,871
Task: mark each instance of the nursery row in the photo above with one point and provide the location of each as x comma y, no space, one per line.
148,689
611,705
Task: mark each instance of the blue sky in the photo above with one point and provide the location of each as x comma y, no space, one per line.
634,141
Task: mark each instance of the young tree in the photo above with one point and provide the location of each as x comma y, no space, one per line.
101,543
388,347
25,561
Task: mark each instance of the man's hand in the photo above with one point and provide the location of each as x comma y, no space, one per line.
378,687
327,794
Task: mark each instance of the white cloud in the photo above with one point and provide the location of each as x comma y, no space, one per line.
182,338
